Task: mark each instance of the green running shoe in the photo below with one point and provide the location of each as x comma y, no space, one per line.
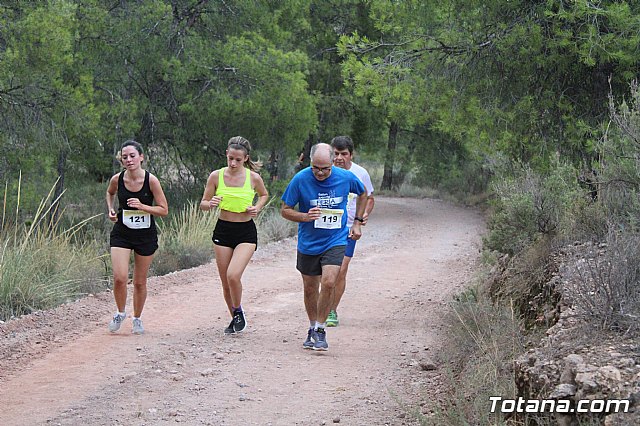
332,319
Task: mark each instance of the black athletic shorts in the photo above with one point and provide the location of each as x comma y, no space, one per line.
144,245
230,234
312,264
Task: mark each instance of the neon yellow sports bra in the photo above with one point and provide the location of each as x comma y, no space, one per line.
235,198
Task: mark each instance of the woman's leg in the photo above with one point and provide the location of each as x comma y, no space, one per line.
223,258
140,271
120,265
239,261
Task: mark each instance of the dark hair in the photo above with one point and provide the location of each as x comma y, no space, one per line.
238,142
134,144
342,142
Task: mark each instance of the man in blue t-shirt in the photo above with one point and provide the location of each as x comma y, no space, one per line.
321,193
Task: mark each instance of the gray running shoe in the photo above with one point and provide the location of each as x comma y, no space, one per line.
229,329
137,326
321,340
239,321
311,338
116,322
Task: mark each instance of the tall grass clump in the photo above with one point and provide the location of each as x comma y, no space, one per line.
484,340
43,265
271,226
185,239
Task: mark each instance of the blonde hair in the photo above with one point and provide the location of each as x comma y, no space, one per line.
238,142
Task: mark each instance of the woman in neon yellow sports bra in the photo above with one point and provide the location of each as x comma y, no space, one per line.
232,189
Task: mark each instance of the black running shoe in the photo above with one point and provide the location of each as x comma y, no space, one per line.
239,322
229,329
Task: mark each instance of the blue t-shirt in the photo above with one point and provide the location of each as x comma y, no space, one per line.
332,193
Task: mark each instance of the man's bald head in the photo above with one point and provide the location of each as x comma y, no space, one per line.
321,152
321,160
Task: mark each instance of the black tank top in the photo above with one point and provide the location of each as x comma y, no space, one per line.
144,195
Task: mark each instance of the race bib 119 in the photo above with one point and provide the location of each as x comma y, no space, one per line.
329,219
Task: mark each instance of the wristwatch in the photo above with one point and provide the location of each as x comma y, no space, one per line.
359,219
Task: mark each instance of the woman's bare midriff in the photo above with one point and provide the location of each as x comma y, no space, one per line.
234,217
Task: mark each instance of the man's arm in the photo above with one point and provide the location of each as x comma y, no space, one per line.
361,203
293,215
368,208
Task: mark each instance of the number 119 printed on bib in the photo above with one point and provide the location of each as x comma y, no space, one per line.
329,219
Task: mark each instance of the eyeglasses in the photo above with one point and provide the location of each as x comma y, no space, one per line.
321,169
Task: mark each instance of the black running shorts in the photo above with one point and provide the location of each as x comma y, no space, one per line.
144,245
230,234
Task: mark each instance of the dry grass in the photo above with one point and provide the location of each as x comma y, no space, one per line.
606,291
42,265
484,340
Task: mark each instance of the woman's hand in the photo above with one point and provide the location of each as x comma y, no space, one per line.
134,203
253,211
113,215
214,202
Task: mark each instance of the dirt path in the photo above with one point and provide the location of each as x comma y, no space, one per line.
62,367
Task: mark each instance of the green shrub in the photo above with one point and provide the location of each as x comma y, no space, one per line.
586,220
276,187
529,205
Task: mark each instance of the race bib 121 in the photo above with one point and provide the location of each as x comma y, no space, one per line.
136,219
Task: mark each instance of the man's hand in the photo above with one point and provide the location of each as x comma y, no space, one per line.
355,233
313,214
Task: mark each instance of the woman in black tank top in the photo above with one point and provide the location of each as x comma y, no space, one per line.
140,198
146,197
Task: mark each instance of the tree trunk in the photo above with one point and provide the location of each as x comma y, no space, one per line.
390,157
55,209
306,160
303,157
405,166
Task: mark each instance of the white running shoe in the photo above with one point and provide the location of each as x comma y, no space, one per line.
116,322
137,326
